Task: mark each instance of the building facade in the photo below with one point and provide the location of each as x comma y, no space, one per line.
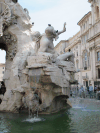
2,69
60,47
86,47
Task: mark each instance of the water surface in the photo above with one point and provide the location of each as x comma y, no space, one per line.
84,117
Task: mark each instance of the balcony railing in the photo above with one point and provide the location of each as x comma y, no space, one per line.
85,77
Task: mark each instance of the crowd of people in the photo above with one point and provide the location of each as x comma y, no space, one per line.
83,91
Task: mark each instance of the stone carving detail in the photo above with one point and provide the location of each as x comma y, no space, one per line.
26,10
36,37
6,18
10,41
8,38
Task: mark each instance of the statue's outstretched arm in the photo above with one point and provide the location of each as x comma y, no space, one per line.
64,29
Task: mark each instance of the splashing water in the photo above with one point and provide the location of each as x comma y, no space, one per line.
30,113
78,107
33,120
89,110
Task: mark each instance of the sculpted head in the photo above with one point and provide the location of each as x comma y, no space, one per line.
50,31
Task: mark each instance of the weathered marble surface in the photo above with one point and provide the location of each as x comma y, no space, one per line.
36,77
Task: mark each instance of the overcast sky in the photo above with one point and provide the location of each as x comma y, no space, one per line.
55,12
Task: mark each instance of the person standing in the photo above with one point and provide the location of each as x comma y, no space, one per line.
82,92
95,89
88,89
70,92
0,89
91,90
77,89
3,88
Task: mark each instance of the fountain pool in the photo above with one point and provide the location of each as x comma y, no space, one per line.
83,117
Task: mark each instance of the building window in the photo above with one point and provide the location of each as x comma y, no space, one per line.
81,28
82,40
85,65
83,83
77,53
89,82
85,38
3,67
85,60
98,56
98,73
2,72
85,56
97,12
77,65
86,75
84,26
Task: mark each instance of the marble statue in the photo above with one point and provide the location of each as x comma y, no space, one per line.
44,43
35,77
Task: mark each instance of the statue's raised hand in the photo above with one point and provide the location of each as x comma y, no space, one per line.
64,28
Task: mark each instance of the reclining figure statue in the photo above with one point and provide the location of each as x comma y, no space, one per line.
44,43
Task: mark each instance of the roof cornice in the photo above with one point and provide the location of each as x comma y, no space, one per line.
89,13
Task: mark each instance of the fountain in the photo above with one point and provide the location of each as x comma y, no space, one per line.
33,67
34,119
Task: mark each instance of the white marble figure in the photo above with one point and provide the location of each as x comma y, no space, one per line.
44,43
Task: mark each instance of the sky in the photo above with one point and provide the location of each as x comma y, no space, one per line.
55,12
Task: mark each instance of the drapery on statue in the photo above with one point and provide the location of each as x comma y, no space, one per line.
44,43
